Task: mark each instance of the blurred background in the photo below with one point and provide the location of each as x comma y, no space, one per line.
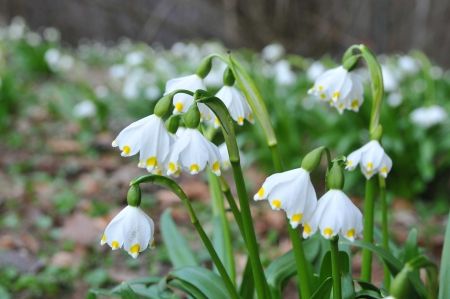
74,73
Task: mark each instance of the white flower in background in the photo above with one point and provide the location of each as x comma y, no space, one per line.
84,109
436,72
427,117
150,138
390,79
182,101
58,61
51,34
273,52
16,29
372,159
131,229
52,56
394,99
33,39
134,58
408,65
335,214
101,91
118,71
291,191
340,88
236,104
315,70
191,152
283,73
66,63
152,92
224,157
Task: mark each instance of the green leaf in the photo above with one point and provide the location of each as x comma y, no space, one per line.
348,289
198,282
368,294
444,276
177,247
411,249
324,290
247,288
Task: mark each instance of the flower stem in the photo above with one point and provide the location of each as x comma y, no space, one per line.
385,228
369,200
335,271
233,206
300,262
249,232
222,240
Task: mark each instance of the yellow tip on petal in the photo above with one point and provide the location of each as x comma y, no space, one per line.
172,167
349,163
179,107
240,120
327,232
384,170
351,233
323,96
260,193
320,87
297,217
307,229
336,95
216,167
151,162
115,245
135,248
355,104
194,168
369,166
103,240
126,150
250,118
114,143
276,203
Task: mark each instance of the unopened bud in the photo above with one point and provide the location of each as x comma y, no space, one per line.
134,195
228,77
205,67
335,177
163,106
312,159
192,117
172,123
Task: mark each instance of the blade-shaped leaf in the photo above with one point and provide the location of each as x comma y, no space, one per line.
444,276
204,283
247,288
177,247
324,289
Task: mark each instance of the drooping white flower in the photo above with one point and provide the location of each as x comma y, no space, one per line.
150,138
340,88
191,152
283,73
291,191
335,214
182,101
273,52
236,104
427,117
372,159
131,229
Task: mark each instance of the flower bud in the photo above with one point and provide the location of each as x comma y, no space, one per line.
134,196
401,286
163,105
312,159
192,117
335,177
228,77
350,62
205,67
172,123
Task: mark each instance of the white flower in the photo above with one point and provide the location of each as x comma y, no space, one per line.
291,191
182,101
84,109
236,104
340,88
224,156
428,116
191,152
283,73
148,136
272,52
315,70
131,229
408,64
134,58
372,158
394,99
335,214
390,78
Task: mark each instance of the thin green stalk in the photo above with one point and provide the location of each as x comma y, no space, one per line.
233,206
385,228
224,238
369,201
300,262
335,271
249,232
276,157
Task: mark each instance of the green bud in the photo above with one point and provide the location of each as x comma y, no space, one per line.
205,67
335,177
312,159
163,106
192,117
172,123
228,77
401,286
134,195
350,59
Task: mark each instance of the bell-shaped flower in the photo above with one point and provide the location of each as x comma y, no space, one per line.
427,117
182,101
339,87
150,138
372,159
236,104
192,152
131,229
335,214
291,191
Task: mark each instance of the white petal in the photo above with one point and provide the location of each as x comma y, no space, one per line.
129,139
272,181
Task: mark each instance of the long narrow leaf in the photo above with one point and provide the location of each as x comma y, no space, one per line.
444,277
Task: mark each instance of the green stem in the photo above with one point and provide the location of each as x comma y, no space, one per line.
276,157
249,232
223,239
300,262
385,228
335,271
233,206
369,201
